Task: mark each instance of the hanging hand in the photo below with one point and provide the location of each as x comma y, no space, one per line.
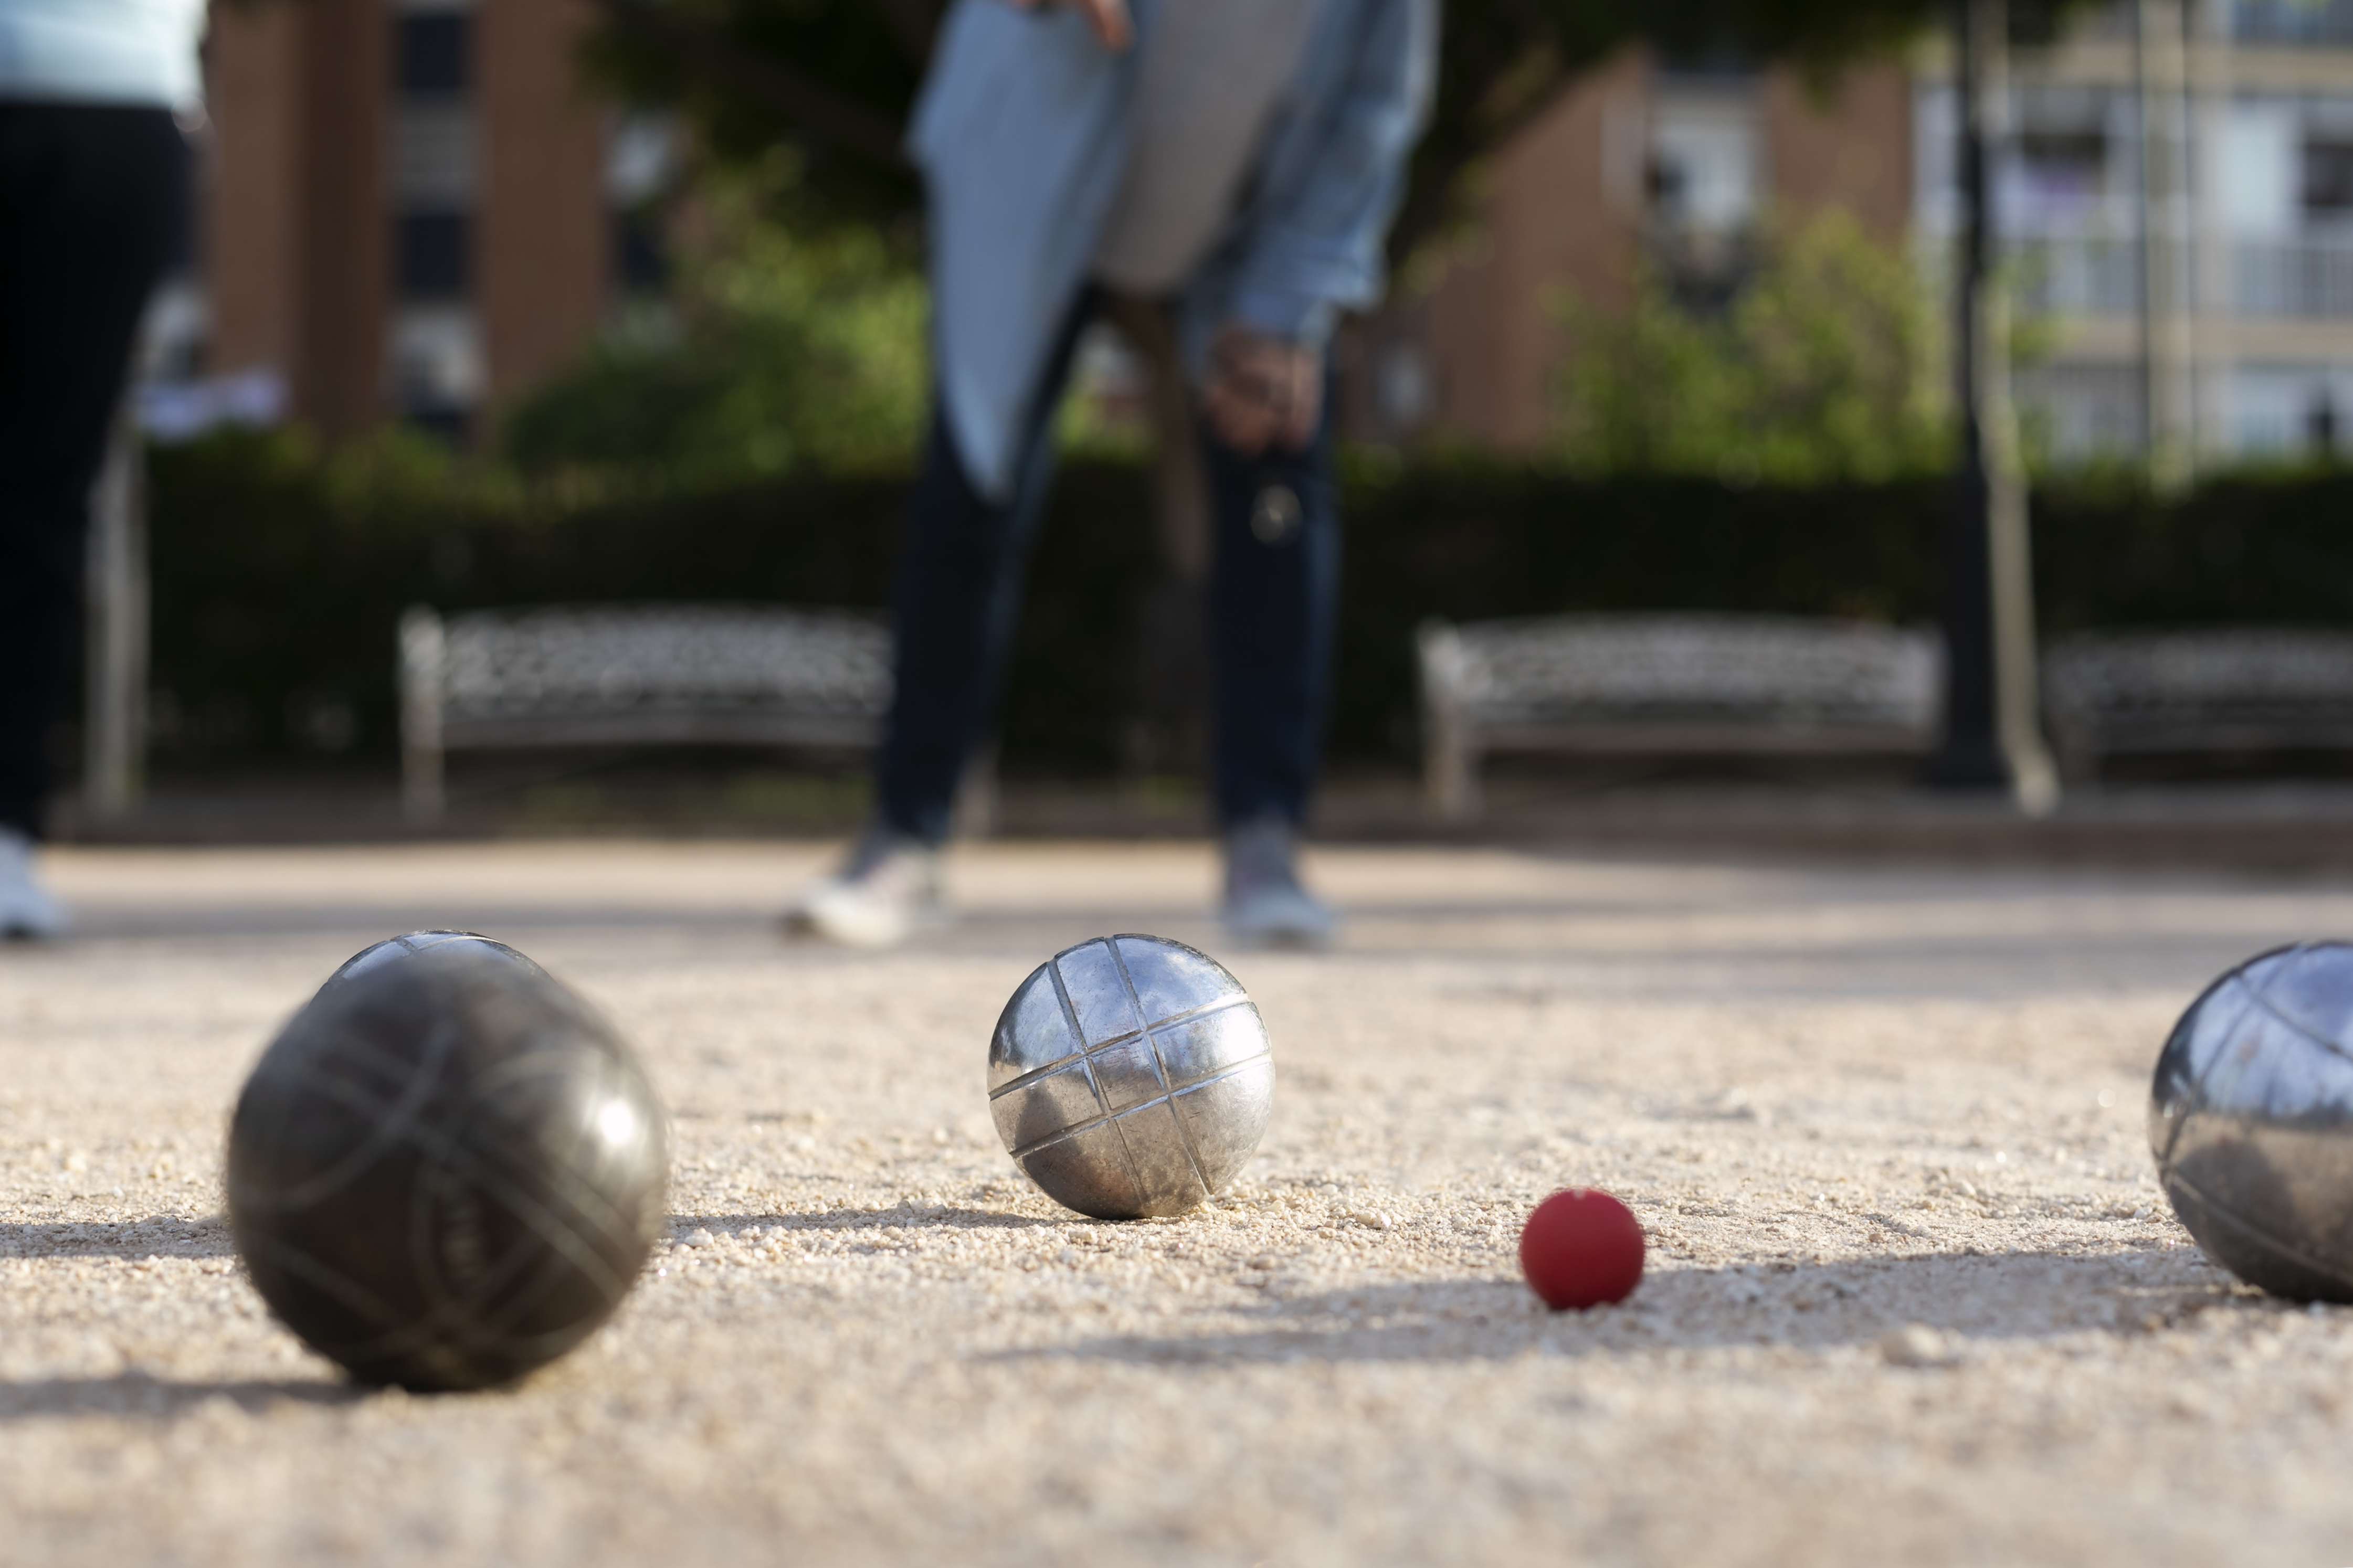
1263,391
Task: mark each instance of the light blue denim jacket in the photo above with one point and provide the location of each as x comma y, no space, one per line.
1022,133
133,52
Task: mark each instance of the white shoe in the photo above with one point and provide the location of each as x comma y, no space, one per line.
1265,906
28,912
888,889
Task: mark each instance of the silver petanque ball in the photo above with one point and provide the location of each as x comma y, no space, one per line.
1130,1077
2250,1119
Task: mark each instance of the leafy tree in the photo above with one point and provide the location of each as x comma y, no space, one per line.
783,346
836,77
1822,369
831,82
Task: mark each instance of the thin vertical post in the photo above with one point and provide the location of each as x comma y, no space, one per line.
114,725
2160,52
424,683
1992,731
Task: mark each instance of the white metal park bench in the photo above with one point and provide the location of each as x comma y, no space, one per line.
642,675
1663,684
2203,689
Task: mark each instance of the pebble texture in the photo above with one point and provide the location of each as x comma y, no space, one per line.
1913,1295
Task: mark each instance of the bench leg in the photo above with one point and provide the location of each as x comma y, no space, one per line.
423,799
1450,766
2079,761
424,668
975,801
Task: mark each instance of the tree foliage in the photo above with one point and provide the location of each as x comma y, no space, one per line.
836,77
784,347
825,86
1822,369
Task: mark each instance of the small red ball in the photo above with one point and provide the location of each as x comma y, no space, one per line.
1582,1248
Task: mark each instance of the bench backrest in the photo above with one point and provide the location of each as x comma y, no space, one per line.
557,660
1769,668
2223,672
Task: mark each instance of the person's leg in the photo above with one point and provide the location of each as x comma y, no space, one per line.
954,609
91,200
1274,600
90,203
1273,604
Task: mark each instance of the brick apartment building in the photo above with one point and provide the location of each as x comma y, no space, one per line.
1639,154
413,210
2255,318
408,209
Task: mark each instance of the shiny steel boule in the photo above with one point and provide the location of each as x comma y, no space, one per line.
2250,1119
1130,1077
446,1171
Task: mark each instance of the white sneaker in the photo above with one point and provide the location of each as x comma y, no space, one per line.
1265,906
888,889
28,912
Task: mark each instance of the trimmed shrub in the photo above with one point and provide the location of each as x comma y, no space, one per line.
280,574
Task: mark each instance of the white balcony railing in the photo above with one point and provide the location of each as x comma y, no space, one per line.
2288,279
2292,22
2075,276
2297,278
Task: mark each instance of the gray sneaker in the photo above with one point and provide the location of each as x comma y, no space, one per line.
29,912
887,891
1265,906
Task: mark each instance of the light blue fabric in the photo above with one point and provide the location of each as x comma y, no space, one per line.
1023,132
138,52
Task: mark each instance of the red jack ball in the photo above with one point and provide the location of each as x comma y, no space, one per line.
1582,1248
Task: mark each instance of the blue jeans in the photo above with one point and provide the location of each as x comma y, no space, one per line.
1273,604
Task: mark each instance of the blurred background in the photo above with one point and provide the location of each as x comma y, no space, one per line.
530,302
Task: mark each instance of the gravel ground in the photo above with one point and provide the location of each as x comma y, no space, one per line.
1914,1295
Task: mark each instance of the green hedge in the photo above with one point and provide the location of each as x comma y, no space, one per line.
279,576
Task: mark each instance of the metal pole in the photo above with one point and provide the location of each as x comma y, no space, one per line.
1992,732
114,726
2160,45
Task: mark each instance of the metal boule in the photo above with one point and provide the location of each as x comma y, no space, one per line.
447,1170
2250,1119
1131,1077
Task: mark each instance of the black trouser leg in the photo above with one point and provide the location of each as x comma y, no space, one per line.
954,610
1274,604
90,201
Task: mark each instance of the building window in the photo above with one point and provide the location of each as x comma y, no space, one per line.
641,162
1706,181
435,354
2292,21
2328,179
432,259
437,368
640,255
2062,175
433,51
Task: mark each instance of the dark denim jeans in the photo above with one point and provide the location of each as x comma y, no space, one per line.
1272,602
91,199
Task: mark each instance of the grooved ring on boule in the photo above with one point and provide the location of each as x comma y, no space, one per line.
446,1171
1130,1077
2250,1120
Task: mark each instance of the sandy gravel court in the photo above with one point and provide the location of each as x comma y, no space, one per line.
1915,1298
